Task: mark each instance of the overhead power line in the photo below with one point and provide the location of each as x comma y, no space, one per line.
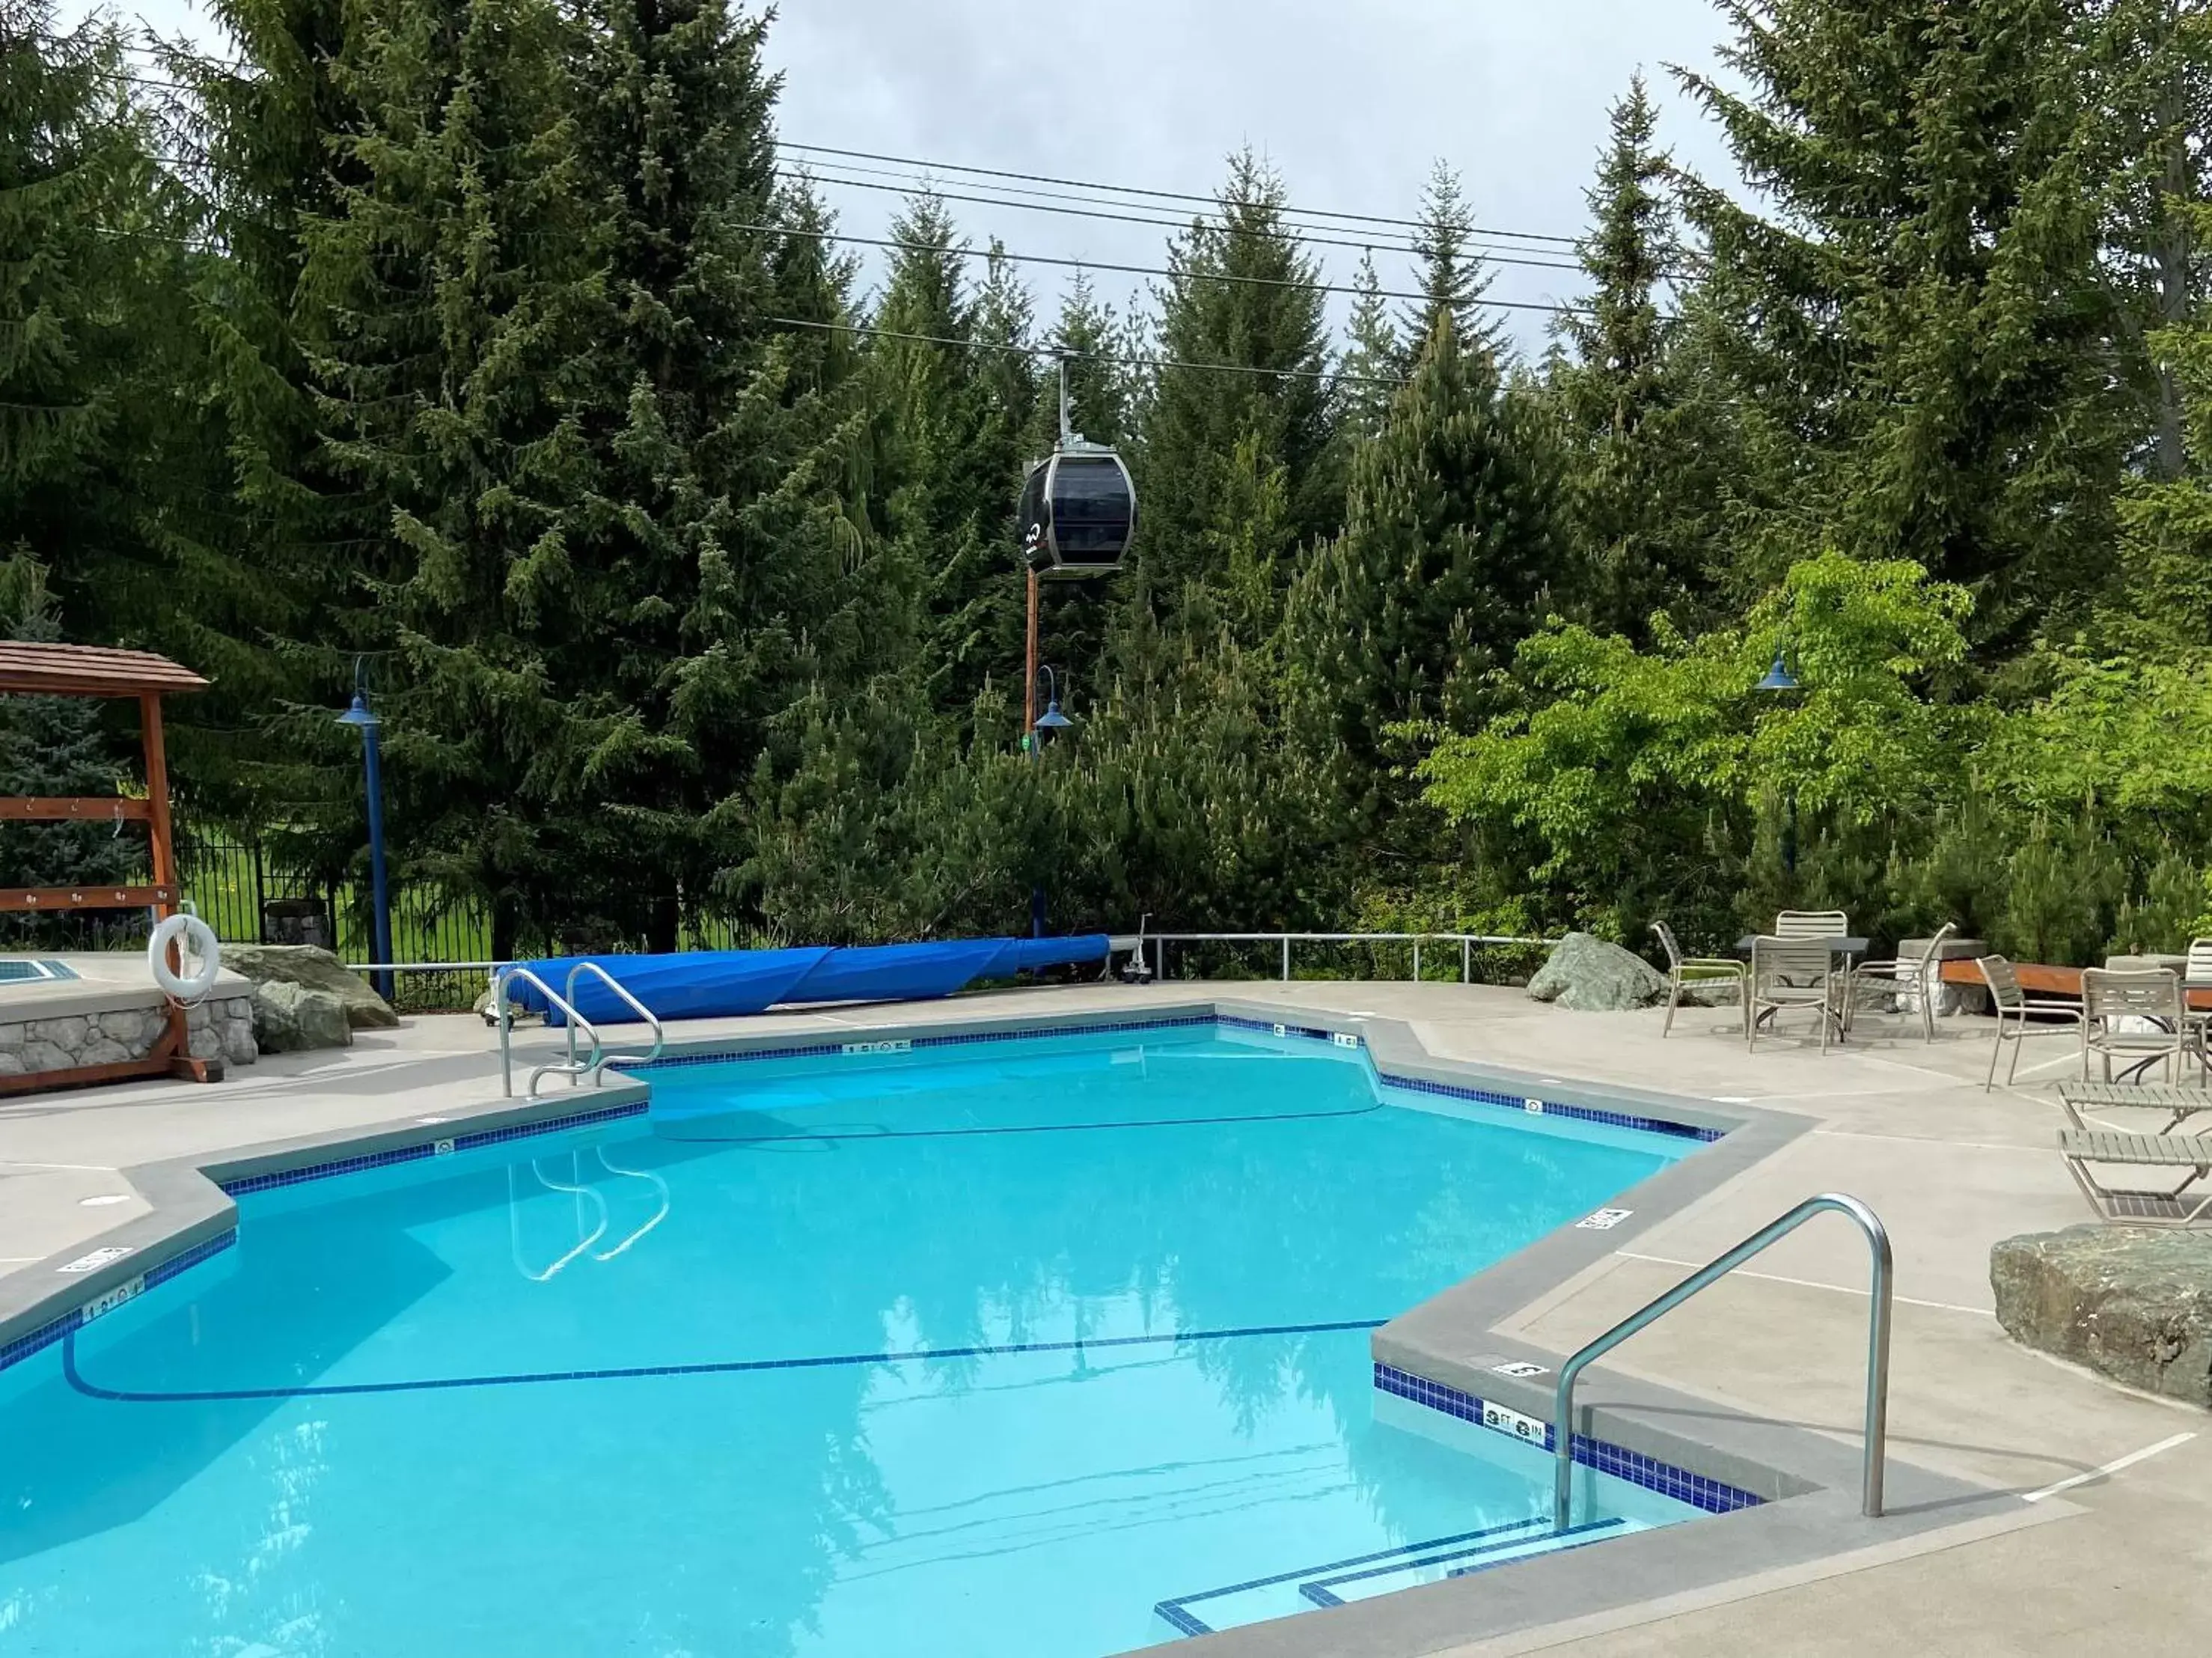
1372,245
1161,195
1085,356
833,236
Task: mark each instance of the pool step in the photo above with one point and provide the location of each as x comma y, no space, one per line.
1331,1583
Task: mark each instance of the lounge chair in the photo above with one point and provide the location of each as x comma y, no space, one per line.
1793,973
1920,972
2011,1005
2198,971
2134,1016
2179,1205
1684,971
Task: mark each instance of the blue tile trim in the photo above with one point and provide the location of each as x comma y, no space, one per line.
160,1272
428,1148
952,1039
1552,1108
1235,1021
1713,1495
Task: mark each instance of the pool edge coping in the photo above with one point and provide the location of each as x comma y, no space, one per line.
1806,1479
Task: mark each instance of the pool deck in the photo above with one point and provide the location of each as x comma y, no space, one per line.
1903,1126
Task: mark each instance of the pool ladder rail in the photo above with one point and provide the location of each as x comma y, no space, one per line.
1877,1383
594,1064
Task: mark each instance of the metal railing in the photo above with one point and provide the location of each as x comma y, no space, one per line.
1467,942
505,1010
660,1037
1877,1386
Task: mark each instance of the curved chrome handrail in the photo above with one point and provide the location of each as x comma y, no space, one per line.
1877,1396
598,1067
500,980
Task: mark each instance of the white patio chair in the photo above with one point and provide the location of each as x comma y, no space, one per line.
2134,1016
1812,924
2018,1018
2199,1020
1793,973
1914,980
1685,972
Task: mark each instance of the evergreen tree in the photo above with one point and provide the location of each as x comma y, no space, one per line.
1373,359
456,292
1453,278
1441,569
1244,312
1914,329
1641,461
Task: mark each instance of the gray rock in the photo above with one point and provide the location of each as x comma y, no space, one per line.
289,1018
105,1051
44,1055
238,1047
2134,1303
11,1063
69,1032
133,1028
310,968
1590,976
14,1036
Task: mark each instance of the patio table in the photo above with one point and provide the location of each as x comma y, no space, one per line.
1847,947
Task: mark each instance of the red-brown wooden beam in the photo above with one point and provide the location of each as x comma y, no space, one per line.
88,808
40,898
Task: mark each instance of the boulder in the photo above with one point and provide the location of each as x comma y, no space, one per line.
313,969
1590,976
289,1018
2134,1303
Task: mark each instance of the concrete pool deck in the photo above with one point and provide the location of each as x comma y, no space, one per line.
1905,1126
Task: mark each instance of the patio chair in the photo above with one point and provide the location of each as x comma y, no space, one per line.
2011,1005
2198,971
1812,924
1684,971
2134,1016
1793,973
1915,980
2082,1145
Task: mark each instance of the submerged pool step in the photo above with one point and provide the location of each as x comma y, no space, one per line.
1331,1583
1335,1590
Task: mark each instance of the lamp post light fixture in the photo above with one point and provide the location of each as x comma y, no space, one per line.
1050,724
1780,678
363,719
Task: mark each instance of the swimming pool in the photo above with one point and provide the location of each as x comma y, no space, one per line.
1054,1347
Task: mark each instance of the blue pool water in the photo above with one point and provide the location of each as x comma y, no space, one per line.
988,1349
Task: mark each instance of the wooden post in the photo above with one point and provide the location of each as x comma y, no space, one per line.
165,874
1028,680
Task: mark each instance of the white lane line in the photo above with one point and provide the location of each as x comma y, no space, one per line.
1807,1283
2110,1468
1926,1140
85,1168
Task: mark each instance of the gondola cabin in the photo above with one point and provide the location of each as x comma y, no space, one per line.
1078,513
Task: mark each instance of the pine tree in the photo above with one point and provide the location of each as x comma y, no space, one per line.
1242,297
1643,459
1441,569
1453,278
456,291
1914,330
1373,359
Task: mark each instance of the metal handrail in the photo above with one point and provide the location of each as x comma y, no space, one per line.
599,1068
500,980
1877,1394
1467,942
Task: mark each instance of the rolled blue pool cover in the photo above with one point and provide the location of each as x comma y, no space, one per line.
721,983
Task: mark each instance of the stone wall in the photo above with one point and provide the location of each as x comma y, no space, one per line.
220,1029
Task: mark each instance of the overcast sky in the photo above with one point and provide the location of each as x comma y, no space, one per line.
1351,100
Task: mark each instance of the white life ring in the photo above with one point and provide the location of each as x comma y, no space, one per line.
199,940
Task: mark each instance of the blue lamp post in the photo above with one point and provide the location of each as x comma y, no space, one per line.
1779,679
364,721
1049,725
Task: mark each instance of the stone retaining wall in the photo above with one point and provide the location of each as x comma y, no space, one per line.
220,1029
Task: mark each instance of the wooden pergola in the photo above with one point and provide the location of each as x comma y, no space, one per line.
58,670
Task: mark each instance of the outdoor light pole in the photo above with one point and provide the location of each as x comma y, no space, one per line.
363,720
1778,680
